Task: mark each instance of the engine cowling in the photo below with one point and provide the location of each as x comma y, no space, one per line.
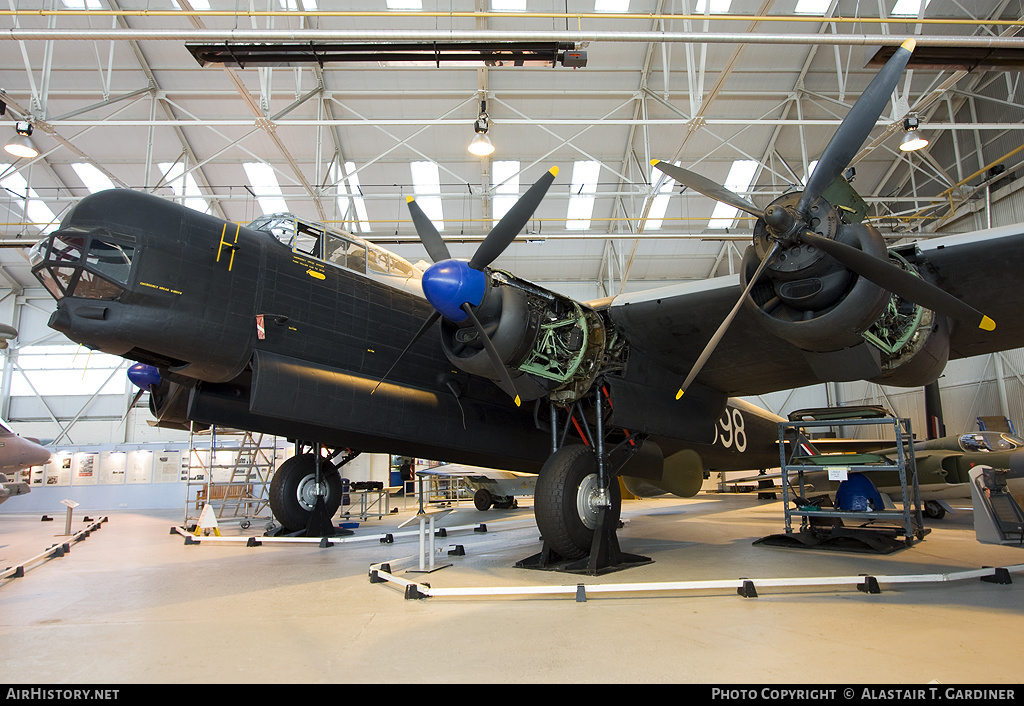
551,345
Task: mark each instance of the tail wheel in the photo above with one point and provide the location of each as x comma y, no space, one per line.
294,491
565,500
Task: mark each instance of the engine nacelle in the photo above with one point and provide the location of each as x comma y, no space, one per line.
552,346
810,301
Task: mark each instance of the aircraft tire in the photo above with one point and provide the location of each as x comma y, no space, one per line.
563,504
292,490
482,499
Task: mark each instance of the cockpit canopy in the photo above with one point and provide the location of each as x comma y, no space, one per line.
336,247
990,441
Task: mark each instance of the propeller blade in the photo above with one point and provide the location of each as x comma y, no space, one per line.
705,186
492,352
131,404
724,326
856,126
512,222
431,239
900,281
434,316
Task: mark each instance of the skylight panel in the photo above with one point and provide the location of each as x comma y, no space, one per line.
810,170
811,7
307,5
266,187
35,210
82,4
184,186
908,8
93,178
583,190
611,5
718,7
196,4
426,184
351,186
741,175
405,4
508,5
656,213
505,174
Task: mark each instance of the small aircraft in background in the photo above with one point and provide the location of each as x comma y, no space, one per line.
17,453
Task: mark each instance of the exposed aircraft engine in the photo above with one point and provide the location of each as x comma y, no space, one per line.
554,344
808,297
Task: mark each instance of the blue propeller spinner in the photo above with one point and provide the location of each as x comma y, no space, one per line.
455,287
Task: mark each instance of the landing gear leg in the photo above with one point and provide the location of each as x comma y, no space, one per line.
578,501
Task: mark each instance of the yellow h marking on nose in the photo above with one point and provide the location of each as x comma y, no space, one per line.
231,246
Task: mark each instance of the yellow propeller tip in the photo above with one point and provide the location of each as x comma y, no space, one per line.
987,324
410,199
909,44
679,394
518,402
554,171
654,162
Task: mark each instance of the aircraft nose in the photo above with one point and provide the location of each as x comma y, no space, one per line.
451,283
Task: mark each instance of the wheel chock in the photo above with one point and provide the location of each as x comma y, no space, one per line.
480,528
459,550
253,542
412,591
442,532
747,590
870,585
387,539
1001,575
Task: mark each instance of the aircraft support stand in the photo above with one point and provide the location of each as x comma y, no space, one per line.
605,554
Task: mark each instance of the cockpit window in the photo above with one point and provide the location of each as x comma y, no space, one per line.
990,441
81,265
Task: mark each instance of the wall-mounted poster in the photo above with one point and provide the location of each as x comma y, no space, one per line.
166,466
86,468
57,471
139,467
112,467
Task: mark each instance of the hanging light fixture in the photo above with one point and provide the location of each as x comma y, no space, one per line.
481,144
912,139
20,145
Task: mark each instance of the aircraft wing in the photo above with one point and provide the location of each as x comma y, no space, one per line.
672,325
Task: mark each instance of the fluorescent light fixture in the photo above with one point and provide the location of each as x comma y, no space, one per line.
506,175
611,5
741,175
82,4
35,210
583,190
184,187
266,187
405,4
93,178
656,213
508,5
351,186
426,184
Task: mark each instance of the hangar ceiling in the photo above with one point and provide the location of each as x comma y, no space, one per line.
111,85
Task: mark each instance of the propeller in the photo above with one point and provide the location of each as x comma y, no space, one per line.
788,226
455,287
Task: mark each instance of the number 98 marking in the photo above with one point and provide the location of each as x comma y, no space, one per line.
732,431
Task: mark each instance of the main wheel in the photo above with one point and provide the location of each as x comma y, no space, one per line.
565,501
293,490
482,499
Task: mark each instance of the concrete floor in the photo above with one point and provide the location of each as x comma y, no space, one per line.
133,604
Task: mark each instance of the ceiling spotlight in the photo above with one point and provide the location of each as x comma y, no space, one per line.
481,145
20,145
912,140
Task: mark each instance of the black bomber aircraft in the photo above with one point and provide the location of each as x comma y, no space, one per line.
285,327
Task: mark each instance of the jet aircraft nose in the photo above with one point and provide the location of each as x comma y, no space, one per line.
449,284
